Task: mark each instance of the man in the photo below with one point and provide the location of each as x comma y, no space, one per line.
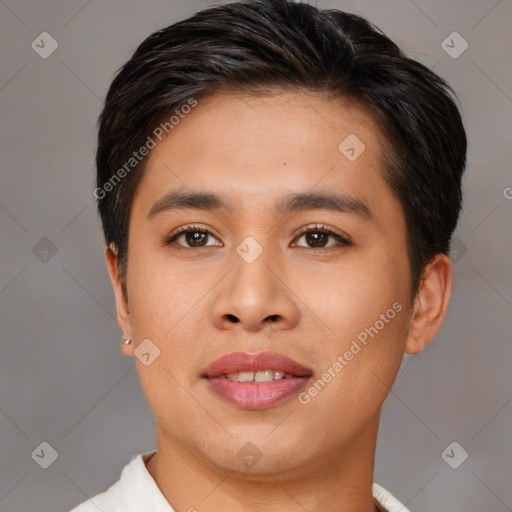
278,187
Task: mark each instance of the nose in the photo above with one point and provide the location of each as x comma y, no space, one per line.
255,296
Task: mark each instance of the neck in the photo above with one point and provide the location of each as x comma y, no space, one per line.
341,479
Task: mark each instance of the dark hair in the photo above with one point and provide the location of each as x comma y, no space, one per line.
267,46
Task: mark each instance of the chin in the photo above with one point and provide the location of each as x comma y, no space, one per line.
255,456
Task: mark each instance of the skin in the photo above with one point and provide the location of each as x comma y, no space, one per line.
314,456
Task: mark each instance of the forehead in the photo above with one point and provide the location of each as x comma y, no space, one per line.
252,150
287,124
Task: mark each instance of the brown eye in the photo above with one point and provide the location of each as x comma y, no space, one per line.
196,238
319,239
193,238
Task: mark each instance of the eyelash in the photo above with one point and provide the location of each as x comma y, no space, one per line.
342,241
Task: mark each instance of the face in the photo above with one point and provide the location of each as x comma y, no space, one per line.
293,272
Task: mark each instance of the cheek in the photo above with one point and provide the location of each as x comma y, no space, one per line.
359,369
159,295
350,296
362,309
162,301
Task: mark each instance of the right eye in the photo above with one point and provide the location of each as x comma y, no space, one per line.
196,237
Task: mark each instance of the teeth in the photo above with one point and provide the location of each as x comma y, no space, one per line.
261,376
245,376
264,376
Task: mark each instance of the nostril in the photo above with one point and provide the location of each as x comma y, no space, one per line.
233,318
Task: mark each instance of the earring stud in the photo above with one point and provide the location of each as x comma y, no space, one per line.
127,342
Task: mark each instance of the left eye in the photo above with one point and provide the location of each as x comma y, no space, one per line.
318,238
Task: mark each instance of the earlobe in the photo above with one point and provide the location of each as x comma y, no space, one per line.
123,314
430,304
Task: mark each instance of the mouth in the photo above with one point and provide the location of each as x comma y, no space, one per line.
256,381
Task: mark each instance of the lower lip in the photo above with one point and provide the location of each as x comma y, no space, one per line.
261,395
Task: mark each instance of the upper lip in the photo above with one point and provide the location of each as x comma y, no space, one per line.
243,362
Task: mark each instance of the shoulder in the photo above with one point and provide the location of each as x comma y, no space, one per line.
386,500
108,501
125,494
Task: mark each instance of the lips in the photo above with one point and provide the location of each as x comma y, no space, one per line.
244,379
242,362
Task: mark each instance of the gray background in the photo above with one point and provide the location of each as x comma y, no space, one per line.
63,379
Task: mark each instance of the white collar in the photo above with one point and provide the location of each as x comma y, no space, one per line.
136,490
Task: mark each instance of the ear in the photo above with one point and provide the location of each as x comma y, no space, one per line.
430,304
123,314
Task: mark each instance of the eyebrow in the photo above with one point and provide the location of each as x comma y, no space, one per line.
294,202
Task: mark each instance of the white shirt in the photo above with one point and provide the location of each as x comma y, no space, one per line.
137,491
